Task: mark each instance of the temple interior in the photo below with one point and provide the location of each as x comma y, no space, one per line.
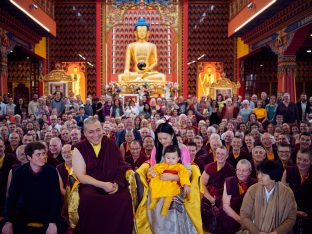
155,116
258,44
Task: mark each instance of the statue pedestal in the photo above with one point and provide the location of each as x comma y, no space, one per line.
156,88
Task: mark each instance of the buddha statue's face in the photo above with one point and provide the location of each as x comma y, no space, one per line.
141,32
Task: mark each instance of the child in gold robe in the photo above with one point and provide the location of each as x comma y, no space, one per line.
168,188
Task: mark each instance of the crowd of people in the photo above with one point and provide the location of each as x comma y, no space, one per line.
230,165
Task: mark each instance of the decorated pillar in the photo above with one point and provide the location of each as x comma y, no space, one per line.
286,63
286,75
4,50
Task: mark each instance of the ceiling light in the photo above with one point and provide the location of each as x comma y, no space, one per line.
308,51
189,63
29,15
261,65
81,57
255,15
33,6
201,57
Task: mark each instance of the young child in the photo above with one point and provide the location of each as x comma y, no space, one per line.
168,188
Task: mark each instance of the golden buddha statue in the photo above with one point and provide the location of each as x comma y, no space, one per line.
143,54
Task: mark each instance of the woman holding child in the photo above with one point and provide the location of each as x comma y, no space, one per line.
182,214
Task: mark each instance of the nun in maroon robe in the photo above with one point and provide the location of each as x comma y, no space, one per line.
236,189
215,188
234,159
100,212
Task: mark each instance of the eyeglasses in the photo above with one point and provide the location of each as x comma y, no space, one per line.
284,152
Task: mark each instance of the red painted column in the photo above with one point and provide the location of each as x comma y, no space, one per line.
40,83
241,90
98,60
4,50
286,75
185,48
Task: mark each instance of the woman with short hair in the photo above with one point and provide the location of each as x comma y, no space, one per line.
269,206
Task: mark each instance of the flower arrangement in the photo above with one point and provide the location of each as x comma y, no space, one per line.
171,89
113,89
143,90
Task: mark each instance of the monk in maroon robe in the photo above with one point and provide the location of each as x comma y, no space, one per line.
299,179
213,179
105,202
137,156
235,188
236,153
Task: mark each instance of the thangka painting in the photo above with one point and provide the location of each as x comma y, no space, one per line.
207,74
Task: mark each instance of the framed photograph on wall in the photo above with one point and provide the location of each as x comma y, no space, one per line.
226,92
58,86
133,97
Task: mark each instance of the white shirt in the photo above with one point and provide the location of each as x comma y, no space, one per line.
268,193
303,108
3,108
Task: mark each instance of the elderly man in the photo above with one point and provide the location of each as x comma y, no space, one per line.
146,132
14,140
33,204
136,157
54,123
65,137
75,137
201,151
65,168
105,203
129,127
288,110
54,153
228,137
268,141
205,159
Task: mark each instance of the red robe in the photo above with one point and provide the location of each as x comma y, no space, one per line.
226,223
215,188
100,212
233,161
217,178
136,164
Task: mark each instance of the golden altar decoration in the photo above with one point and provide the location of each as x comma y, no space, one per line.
224,86
57,80
157,88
